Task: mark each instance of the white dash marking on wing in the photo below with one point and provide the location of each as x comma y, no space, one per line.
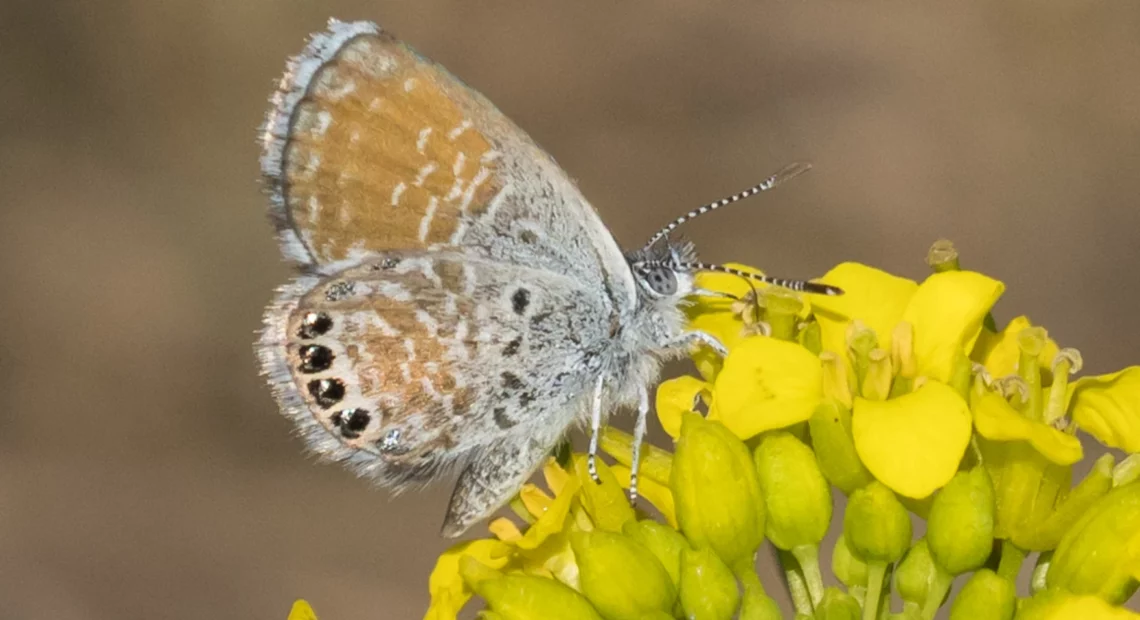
469,195
459,129
409,84
498,201
421,142
397,192
324,120
429,213
460,162
422,176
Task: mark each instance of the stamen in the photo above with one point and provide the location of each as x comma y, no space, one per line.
785,174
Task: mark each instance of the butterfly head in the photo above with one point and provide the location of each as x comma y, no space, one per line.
658,272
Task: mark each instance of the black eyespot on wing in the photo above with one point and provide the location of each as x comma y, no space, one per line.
327,392
314,324
512,347
315,358
520,300
351,422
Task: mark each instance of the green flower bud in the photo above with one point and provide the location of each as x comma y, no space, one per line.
524,597
1100,554
708,589
664,542
756,604
606,503
960,528
985,596
830,426
716,490
876,525
796,495
1055,604
914,574
838,605
621,578
850,570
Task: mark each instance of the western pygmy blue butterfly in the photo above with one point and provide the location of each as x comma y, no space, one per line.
460,303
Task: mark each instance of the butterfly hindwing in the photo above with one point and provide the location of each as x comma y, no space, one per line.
415,360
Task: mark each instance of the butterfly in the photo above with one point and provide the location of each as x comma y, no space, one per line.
460,305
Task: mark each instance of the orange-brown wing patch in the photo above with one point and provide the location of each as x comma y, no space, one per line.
375,154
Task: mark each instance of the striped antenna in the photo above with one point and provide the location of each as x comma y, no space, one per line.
785,174
804,286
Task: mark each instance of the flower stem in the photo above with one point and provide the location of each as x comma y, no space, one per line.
796,584
940,583
1040,571
1011,560
808,557
875,573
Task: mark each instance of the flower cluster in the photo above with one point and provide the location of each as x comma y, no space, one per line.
904,396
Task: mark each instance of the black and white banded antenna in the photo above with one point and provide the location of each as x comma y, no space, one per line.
786,173
814,288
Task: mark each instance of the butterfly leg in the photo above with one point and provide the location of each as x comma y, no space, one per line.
595,429
638,437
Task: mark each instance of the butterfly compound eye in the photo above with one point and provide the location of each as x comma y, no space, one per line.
661,280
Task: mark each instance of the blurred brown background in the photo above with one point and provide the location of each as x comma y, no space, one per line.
144,471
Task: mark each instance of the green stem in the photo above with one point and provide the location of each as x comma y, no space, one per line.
940,583
808,557
796,585
1011,560
875,573
1040,572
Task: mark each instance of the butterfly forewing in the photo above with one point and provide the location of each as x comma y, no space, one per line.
371,147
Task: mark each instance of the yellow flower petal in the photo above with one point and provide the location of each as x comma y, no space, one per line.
1108,408
449,592
656,463
999,352
658,494
302,611
765,384
715,315
875,297
947,313
1060,605
913,443
552,520
556,477
535,499
997,420
504,529
675,397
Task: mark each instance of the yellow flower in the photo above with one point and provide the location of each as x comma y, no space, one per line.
449,592
913,443
1060,605
723,317
889,331
766,384
999,351
1108,408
